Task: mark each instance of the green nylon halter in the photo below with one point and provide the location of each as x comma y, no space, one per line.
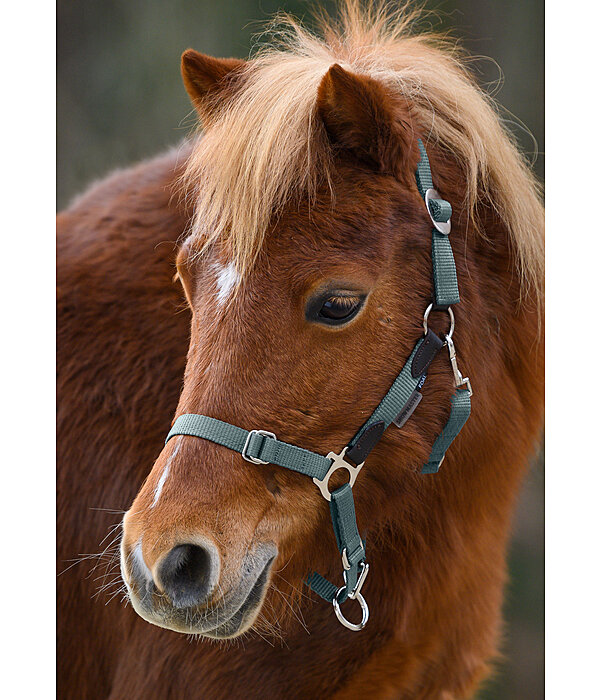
262,447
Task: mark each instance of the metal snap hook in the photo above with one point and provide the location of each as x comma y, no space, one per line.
364,570
340,616
459,380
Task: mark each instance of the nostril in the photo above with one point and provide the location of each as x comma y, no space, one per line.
185,574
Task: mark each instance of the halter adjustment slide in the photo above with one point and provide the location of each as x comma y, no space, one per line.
346,562
433,198
244,452
338,462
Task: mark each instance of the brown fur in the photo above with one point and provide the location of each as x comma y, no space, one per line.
436,544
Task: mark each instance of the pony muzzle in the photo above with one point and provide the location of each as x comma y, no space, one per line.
183,588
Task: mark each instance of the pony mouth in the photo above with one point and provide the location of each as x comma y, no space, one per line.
230,617
243,618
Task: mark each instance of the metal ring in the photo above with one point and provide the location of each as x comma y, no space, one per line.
363,606
448,311
337,462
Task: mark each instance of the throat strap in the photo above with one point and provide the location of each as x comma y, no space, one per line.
350,545
460,410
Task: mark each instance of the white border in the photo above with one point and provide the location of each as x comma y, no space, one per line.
27,388
572,389
27,50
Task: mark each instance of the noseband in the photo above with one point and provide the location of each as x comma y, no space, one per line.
262,447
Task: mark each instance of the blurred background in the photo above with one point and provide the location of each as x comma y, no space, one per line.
120,99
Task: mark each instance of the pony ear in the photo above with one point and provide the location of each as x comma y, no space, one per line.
208,80
361,116
183,273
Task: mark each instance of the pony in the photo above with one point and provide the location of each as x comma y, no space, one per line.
272,272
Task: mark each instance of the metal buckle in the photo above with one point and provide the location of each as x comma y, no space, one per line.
338,463
450,314
459,380
345,562
441,226
255,460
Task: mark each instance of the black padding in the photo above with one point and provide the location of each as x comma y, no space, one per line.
430,347
372,435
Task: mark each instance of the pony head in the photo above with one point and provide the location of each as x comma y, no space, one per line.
307,269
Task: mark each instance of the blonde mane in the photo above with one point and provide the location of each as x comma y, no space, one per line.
266,147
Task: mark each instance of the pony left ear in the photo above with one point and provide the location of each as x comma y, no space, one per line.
208,80
360,115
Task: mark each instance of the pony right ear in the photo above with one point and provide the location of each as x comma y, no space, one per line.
209,80
363,117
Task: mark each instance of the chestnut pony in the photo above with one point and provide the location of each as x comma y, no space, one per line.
303,248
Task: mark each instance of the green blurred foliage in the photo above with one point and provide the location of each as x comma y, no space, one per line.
120,99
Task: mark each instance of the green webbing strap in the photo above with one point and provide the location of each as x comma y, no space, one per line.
321,586
445,294
444,269
342,501
395,399
254,445
423,174
460,410
259,447
349,543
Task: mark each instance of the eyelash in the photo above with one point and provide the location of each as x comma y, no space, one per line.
334,308
349,302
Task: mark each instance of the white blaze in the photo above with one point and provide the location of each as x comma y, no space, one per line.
227,278
138,557
165,474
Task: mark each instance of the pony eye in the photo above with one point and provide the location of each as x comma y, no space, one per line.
340,308
335,309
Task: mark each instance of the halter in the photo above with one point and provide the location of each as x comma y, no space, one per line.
262,447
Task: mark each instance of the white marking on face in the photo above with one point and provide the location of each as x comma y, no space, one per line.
227,278
138,558
165,473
